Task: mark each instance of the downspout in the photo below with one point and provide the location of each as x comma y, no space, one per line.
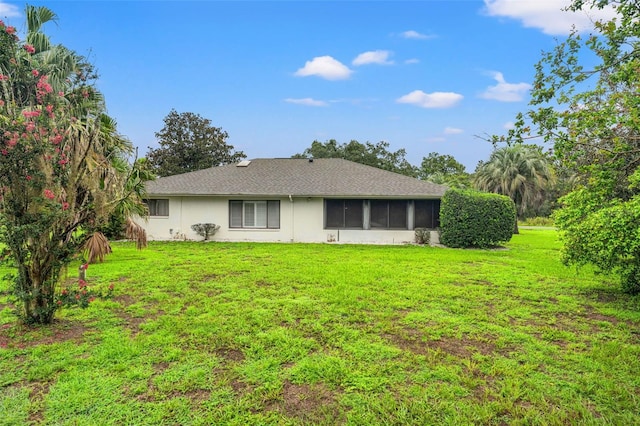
292,221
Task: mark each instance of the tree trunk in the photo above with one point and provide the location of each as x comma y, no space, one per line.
37,295
515,228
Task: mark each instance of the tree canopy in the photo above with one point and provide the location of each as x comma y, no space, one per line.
188,142
521,172
591,115
376,155
445,170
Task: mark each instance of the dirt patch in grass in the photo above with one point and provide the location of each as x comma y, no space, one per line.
308,403
230,354
21,336
239,387
125,299
592,315
413,341
133,323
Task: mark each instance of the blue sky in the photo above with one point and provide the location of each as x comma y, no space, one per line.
276,75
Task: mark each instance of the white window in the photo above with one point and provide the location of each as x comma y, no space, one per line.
158,207
254,214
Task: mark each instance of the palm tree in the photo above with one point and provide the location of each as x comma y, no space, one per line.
520,172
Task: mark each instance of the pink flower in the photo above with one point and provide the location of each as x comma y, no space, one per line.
29,48
65,206
35,73
4,77
61,93
10,30
82,283
1,103
31,114
5,152
30,126
49,194
56,139
111,287
28,177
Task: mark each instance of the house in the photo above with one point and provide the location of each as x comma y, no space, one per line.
294,200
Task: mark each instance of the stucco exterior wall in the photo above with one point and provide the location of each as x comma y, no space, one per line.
301,220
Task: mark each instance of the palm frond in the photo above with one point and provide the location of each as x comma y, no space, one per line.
96,248
136,233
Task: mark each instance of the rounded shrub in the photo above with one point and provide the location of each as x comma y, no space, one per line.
476,219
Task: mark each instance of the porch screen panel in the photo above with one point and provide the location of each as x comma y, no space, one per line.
353,213
397,214
273,214
334,213
379,214
426,213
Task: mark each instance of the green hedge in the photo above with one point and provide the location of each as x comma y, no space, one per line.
476,219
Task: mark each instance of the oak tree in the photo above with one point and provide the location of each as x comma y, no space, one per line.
189,142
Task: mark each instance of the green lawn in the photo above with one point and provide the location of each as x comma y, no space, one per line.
223,333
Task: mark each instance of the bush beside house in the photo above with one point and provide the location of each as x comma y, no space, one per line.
475,219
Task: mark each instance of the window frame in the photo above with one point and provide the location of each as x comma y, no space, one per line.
433,214
346,203
271,207
386,208
153,206
378,206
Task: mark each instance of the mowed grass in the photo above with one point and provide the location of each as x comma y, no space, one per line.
223,333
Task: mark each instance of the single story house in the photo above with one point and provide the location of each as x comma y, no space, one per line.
294,200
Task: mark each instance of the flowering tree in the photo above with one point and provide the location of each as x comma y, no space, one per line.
57,154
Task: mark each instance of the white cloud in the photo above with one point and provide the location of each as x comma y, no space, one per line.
505,92
380,57
307,102
431,100
509,125
412,61
547,15
325,67
9,10
415,35
452,131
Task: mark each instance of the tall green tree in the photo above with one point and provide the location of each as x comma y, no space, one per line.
188,142
521,172
57,153
375,155
445,170
585,101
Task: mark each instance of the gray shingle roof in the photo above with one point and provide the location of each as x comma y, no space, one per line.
324,177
